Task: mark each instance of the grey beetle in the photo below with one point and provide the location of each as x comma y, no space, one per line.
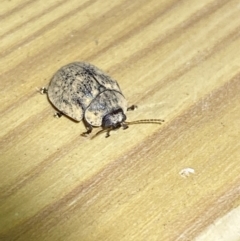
81,91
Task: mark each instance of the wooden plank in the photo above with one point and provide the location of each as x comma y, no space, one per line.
176,60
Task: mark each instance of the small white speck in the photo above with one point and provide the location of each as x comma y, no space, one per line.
186,172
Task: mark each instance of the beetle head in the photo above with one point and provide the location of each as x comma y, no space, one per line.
114,119
117,119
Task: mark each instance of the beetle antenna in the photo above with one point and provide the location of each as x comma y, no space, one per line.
147,121
126,123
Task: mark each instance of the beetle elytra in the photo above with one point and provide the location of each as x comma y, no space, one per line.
81,91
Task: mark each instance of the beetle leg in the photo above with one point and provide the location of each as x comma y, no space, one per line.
58,115
108,134
132,107
86,133
124,126
43,90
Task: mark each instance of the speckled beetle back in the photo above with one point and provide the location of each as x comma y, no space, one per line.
81,91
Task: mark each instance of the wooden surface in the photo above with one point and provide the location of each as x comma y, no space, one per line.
177,60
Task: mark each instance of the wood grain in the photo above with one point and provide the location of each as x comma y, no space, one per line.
176,60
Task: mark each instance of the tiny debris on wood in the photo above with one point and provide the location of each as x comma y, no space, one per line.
186,172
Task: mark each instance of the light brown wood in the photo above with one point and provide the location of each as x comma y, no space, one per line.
176,60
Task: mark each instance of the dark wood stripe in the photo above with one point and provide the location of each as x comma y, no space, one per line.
48,10
53,24
16,9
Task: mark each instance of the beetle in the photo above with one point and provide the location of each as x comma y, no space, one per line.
81,91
